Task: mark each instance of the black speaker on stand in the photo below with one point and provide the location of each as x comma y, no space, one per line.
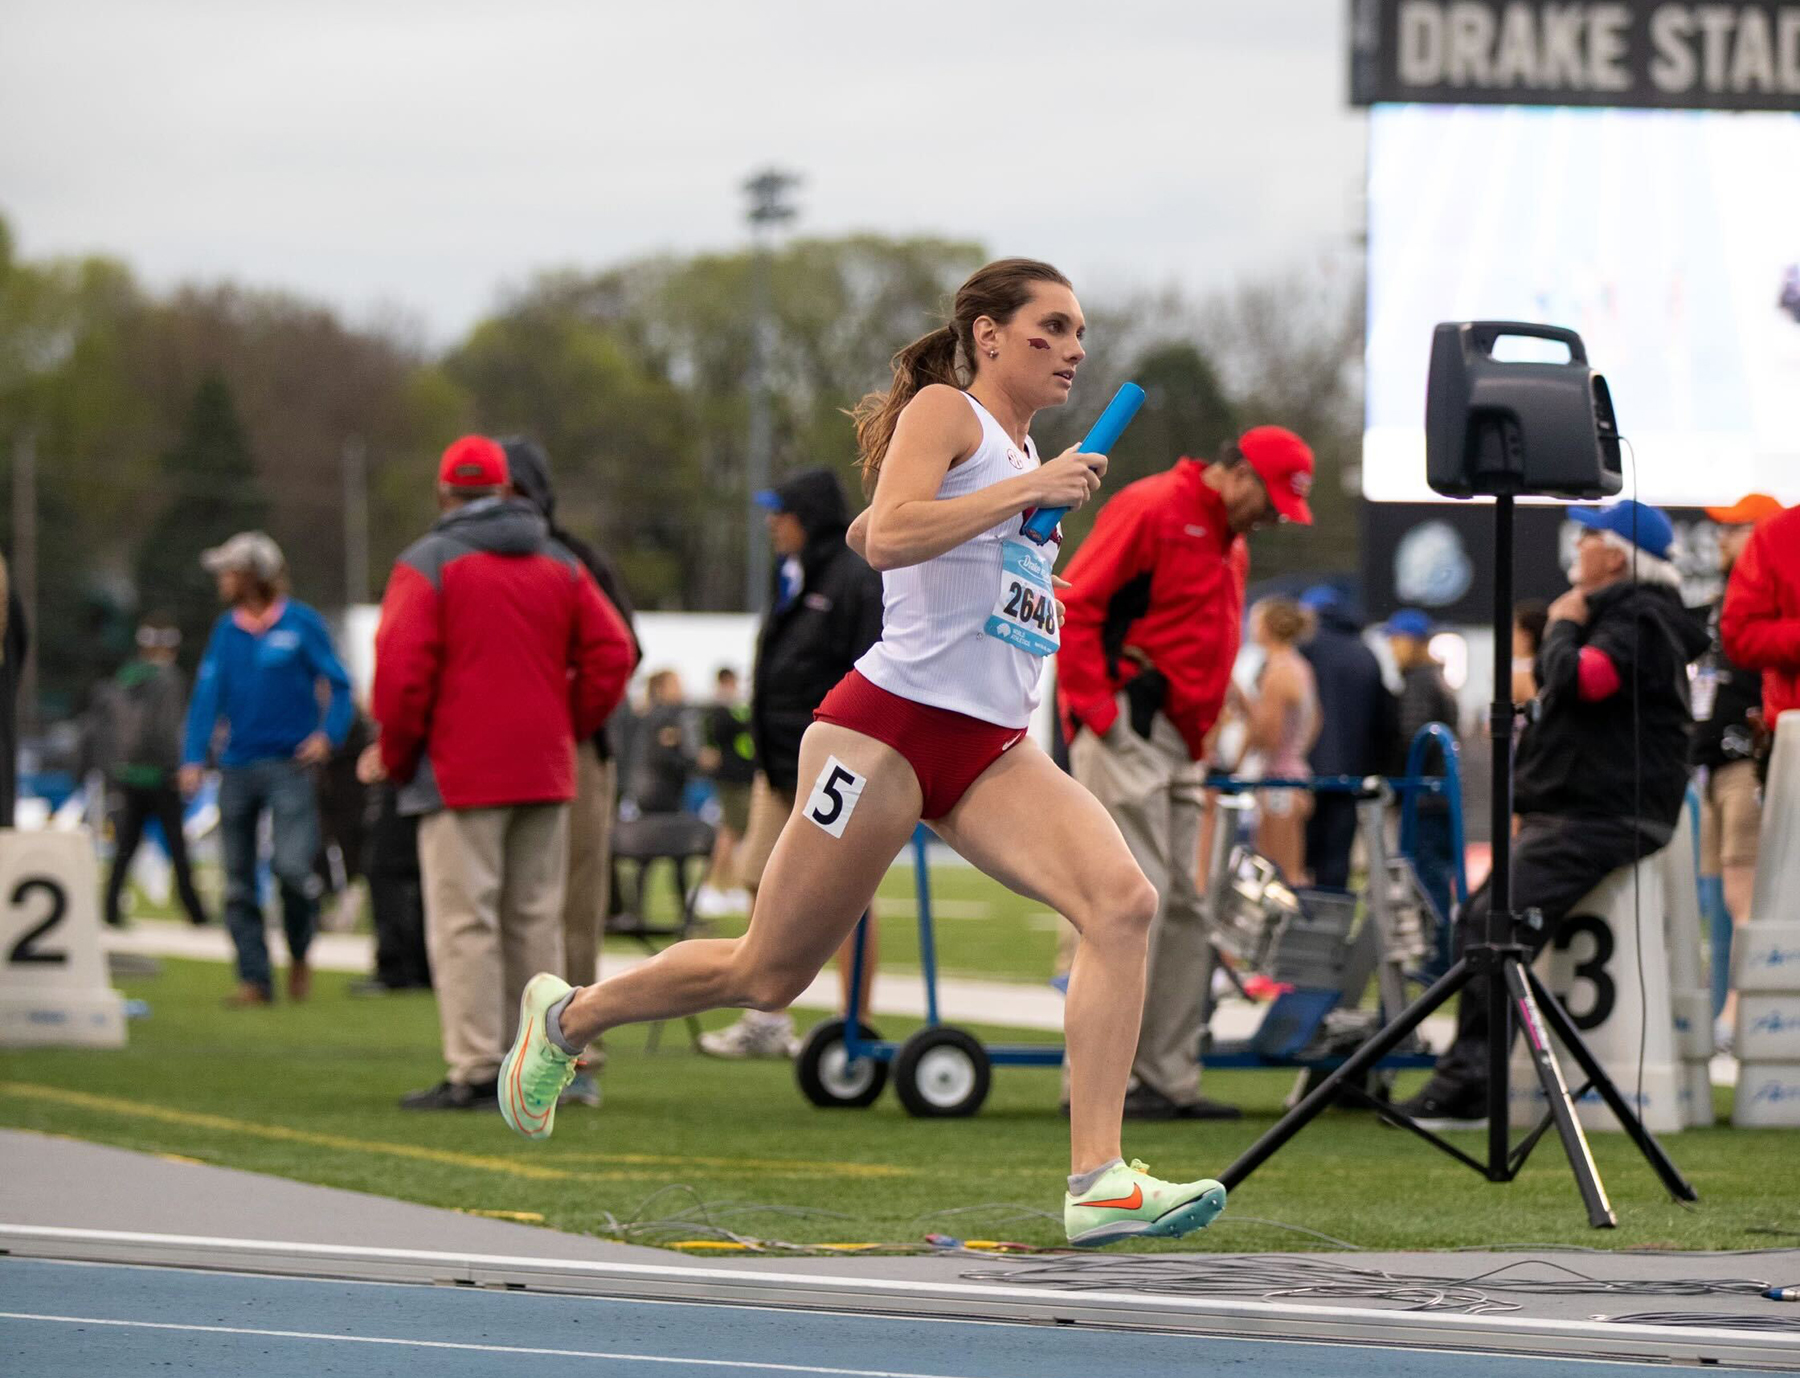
1504,429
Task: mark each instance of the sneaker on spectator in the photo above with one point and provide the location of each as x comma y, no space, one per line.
583,1090
1724,1034
453,1095
756,1034
714,903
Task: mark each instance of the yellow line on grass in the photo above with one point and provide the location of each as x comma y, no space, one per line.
541,1172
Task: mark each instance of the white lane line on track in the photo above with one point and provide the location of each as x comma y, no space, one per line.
481,1349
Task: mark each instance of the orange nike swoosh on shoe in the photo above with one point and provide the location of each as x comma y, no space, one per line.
518,1096
1124,1203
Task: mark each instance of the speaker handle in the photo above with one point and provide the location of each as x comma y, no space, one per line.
1485,333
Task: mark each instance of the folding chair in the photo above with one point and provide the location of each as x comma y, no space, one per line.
686,843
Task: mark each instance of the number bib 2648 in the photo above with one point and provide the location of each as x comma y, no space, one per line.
1024,612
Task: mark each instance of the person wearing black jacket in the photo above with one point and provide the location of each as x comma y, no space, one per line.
824,612
587,897
1357,729
1728,701
1602,766
1425,698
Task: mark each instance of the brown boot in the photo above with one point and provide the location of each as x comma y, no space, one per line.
248,995
299,981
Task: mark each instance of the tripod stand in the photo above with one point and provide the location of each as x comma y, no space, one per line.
1511,987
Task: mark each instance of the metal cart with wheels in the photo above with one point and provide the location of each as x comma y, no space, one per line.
942,1071
939,1072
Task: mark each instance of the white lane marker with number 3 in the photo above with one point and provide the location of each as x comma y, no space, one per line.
834,797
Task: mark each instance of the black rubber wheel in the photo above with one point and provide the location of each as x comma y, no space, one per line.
829,1079
942,1072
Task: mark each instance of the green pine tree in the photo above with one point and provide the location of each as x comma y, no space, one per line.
212,492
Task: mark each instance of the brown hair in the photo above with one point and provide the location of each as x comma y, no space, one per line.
1284,619
997,291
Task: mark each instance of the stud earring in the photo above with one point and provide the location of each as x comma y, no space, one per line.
993,354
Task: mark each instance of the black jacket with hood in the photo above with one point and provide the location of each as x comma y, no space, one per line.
1607,759
806,647
1358,722
529,469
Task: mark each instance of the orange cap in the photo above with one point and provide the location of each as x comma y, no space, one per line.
1753,509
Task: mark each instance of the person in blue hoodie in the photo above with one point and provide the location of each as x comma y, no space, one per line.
256,710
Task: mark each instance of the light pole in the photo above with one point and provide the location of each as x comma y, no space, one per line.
769,207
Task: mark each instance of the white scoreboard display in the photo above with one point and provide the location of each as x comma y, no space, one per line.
53,983
1670,239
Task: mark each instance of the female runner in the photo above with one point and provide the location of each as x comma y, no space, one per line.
931,724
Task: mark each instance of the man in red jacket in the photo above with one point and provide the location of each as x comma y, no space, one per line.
1760,623
496,653
1155,613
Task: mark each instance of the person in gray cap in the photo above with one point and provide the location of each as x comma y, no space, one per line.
256,707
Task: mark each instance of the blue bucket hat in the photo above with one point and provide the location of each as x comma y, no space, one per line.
1639,523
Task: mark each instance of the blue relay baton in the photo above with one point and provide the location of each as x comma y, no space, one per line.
1040,526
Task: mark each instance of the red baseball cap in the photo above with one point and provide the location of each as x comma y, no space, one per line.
474,461
1284,462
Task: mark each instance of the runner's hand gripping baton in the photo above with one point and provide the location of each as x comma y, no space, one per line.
1041,525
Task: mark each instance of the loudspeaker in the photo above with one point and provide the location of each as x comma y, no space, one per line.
1497,426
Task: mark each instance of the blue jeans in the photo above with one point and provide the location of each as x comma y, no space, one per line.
285,789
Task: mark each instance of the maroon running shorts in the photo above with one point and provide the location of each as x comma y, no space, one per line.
946,750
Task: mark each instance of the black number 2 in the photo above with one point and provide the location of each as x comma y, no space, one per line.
23,951
839,776
1012,604
1593,970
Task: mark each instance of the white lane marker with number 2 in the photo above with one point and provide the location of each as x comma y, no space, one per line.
834,797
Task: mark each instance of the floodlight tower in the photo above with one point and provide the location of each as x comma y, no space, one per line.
769,208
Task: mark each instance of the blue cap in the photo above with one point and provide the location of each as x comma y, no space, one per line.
769,500
1645,527
1409,622
1319,597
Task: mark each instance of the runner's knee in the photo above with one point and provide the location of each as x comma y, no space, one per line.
764,986
1122,910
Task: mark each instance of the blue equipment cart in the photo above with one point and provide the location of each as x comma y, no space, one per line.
943,1071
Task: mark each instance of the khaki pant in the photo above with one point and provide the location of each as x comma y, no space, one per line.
589,892
493,882
1153,792
1730,817
769,810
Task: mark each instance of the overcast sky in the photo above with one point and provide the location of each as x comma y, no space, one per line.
426,155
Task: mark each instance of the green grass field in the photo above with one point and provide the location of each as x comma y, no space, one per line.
309,1092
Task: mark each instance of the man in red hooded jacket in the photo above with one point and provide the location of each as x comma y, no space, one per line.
1760,623
495,654
1155,612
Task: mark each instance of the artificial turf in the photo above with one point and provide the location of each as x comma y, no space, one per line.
309,1092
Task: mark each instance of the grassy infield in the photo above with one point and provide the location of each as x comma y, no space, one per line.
308,1092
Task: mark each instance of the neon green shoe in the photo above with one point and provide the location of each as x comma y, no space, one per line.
1128,1203
536,1070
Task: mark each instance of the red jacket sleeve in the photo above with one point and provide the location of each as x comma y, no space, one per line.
1758,631
1120,547
408,661
600,658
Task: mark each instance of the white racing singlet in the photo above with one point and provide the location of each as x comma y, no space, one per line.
970,630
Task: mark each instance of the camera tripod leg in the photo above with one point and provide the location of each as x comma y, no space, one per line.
1564,1027
1556,1091
1354,1067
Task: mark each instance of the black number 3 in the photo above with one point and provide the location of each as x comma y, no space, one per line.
23,951
839,776
1593,969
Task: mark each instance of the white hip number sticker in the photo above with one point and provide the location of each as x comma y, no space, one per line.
834,797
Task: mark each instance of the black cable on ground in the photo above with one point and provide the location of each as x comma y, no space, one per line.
1270,1277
